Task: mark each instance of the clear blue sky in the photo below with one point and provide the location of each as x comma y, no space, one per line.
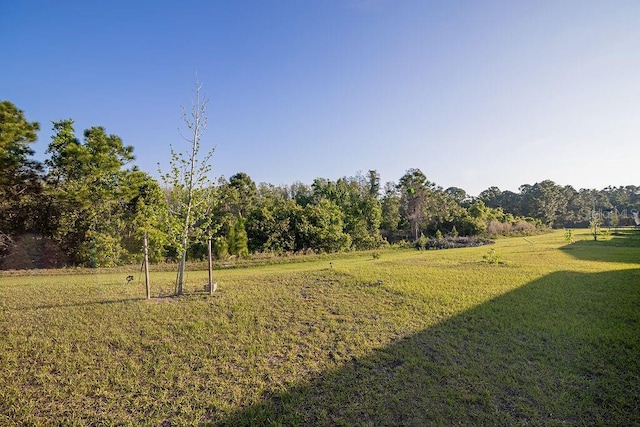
474,93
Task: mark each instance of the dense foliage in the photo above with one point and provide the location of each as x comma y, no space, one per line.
89,201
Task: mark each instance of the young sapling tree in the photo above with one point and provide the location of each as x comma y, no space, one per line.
189,189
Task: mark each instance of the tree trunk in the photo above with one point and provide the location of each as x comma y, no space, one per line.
181,267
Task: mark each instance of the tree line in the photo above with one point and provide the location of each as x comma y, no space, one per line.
89,199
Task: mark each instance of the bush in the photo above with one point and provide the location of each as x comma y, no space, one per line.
524,228
496,228
456,242
568,235
102,250
519,228
491,257
220,248
422,242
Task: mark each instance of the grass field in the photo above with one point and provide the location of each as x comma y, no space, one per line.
546,334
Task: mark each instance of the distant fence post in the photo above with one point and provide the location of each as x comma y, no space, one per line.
146,265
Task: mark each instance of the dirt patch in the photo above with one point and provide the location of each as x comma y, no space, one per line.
30,251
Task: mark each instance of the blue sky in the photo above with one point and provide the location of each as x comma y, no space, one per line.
474,93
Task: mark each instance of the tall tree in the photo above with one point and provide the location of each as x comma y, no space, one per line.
20,180
357,199
269,226
320,227
190,190
544,200
301,193
236,199
246,193
416,193
87,192
16,136
145,212
458,195
589,201
391,218
373,181
491,197
238,240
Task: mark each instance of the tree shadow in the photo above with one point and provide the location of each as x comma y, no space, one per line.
620,247
81,304
561,350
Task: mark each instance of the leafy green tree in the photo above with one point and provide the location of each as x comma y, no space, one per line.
245,193
220,247
443,209
20,176
595,222
87,191
189,189
145,212
544,200
512,202
479,214
416,193
270,222
614,219
373,183
458,195
391,218
322,227
357,199
236,198
587,201
567,215
491,197
16,136
238,240
301,193
623,200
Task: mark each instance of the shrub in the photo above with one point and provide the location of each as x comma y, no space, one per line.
496,228
220,248
422,242
491,257
524,228
520,228
456,242
568,235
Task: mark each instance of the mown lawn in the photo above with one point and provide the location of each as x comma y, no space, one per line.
550,334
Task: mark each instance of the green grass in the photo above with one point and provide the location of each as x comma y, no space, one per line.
549,334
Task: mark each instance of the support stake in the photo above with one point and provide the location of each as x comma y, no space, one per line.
146,266
209,255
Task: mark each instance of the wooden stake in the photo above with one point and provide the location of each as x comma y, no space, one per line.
209,255
146,265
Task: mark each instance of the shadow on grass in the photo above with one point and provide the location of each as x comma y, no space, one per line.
154,299
621,247
82,304
562,349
